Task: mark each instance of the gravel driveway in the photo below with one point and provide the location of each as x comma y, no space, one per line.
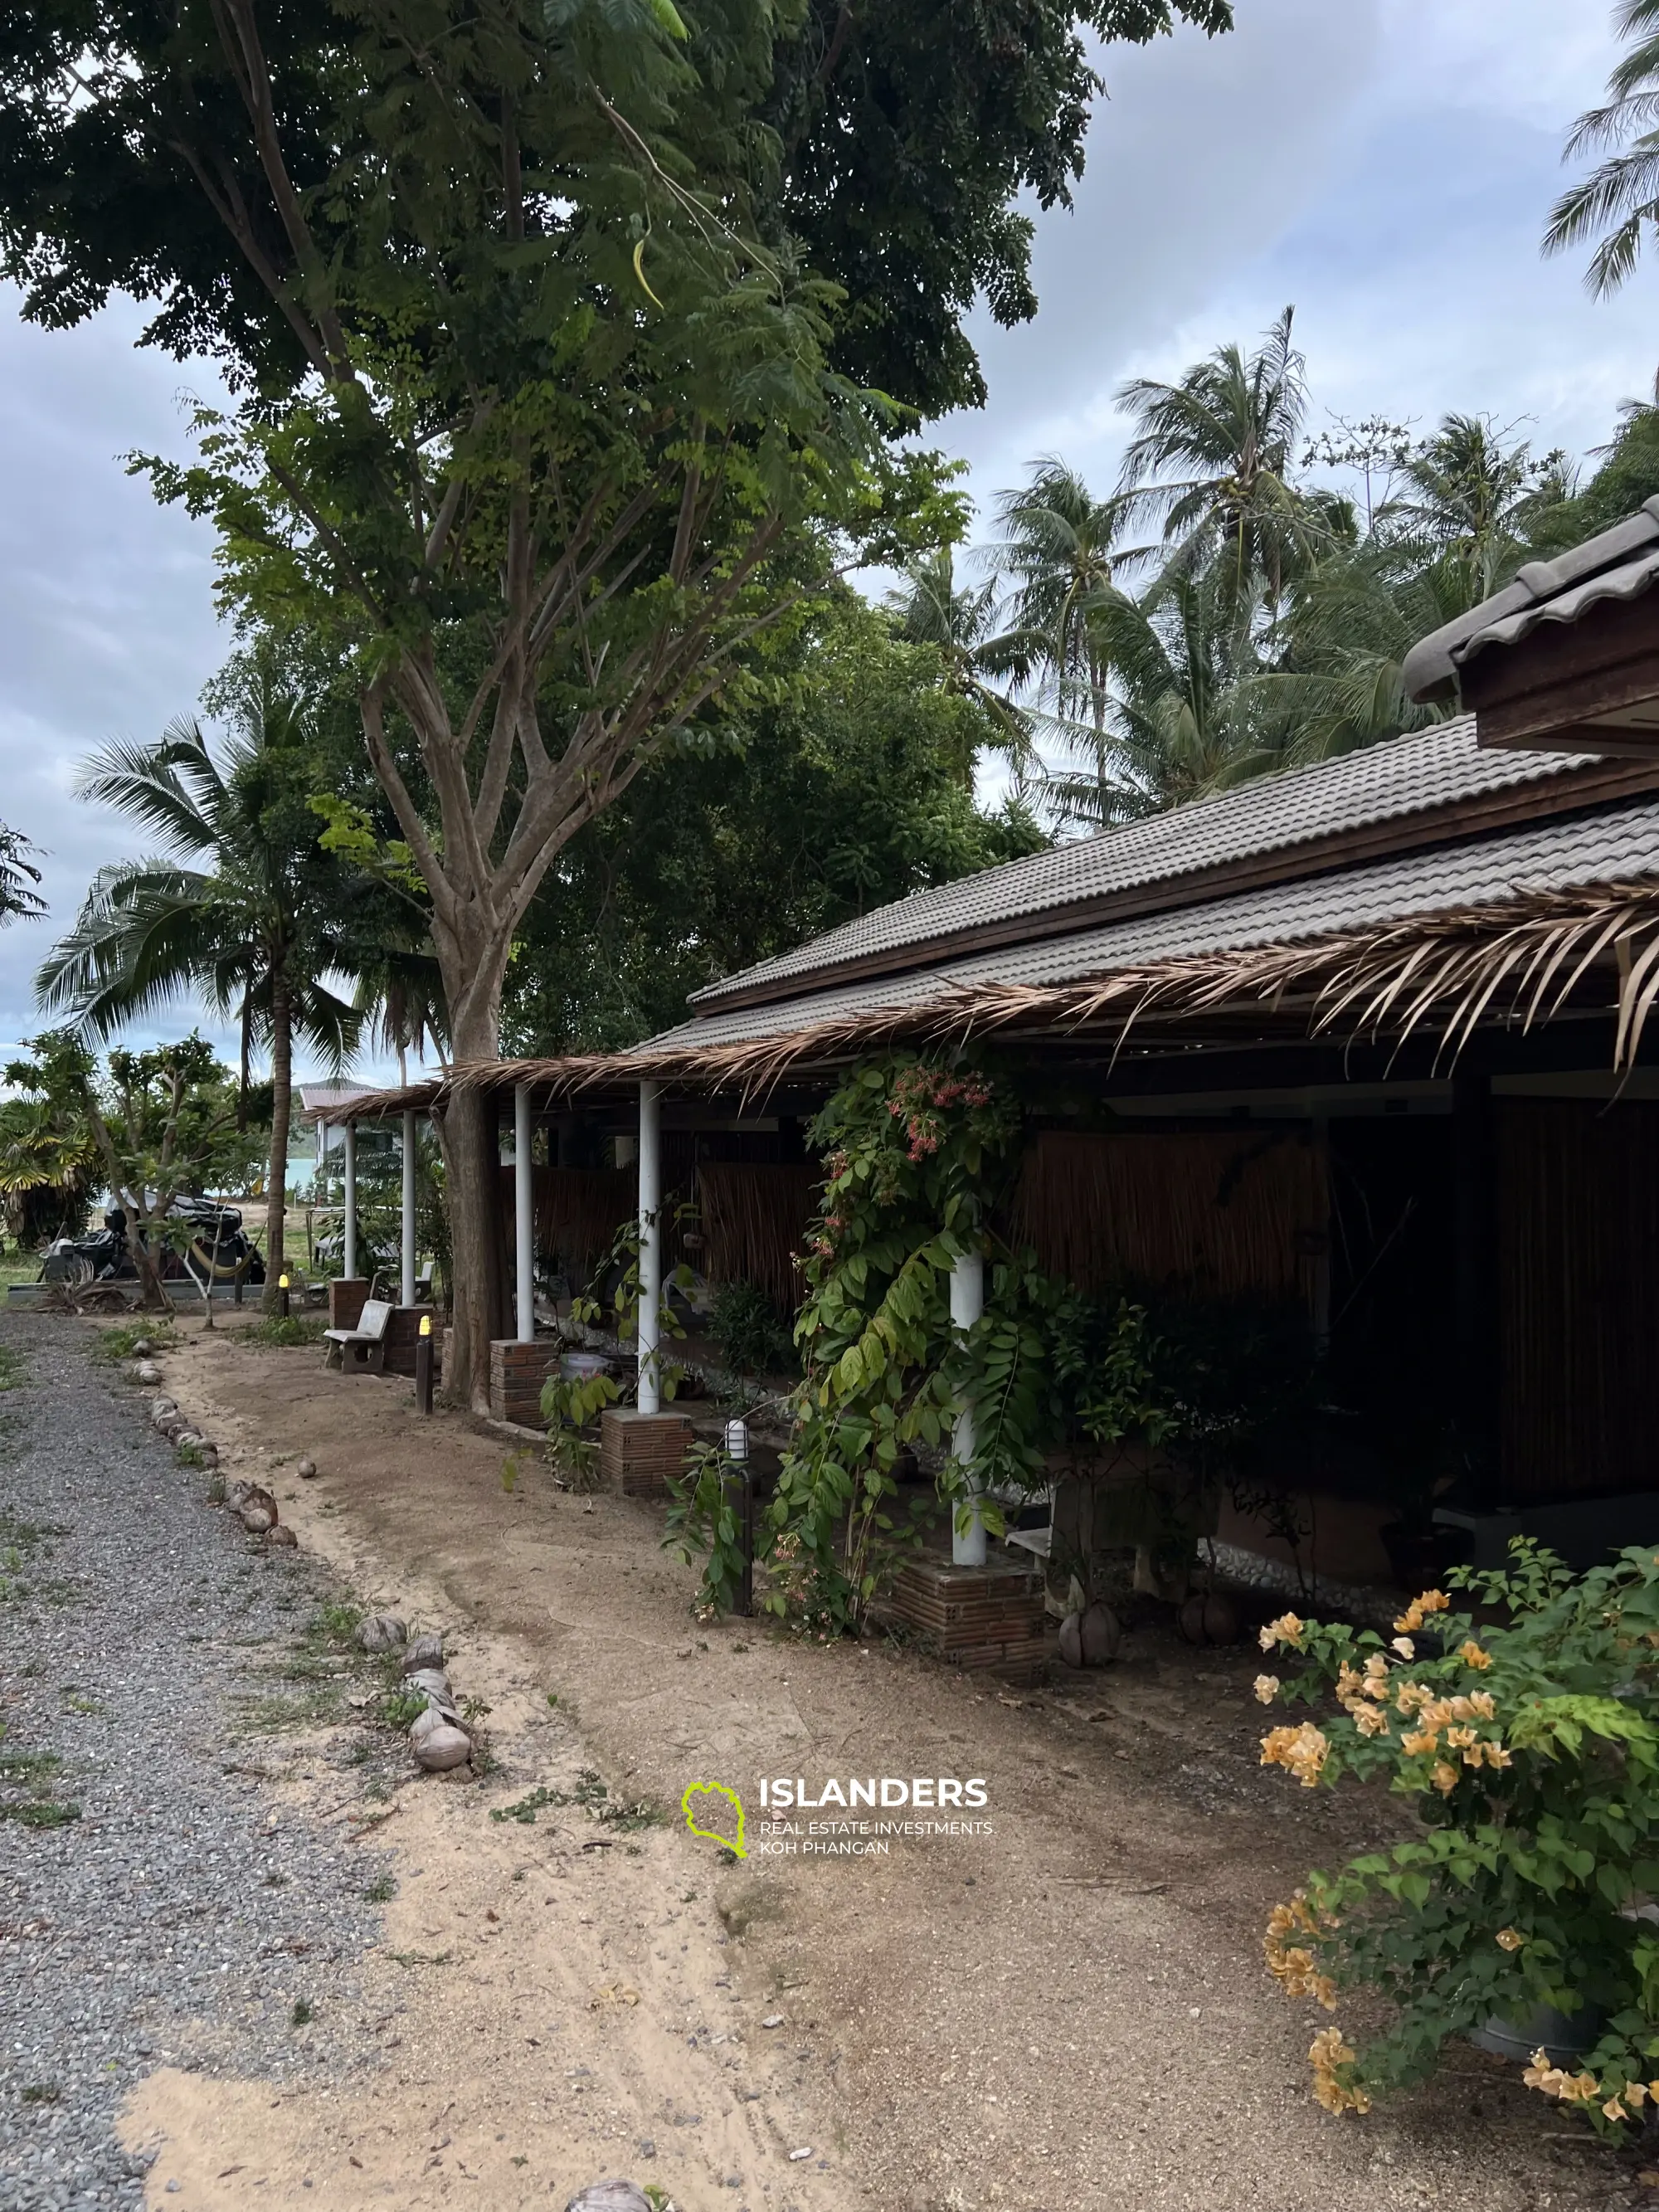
153,1661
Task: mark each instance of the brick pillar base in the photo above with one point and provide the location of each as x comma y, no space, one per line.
992,1616
517,1372
347,1297
639,1451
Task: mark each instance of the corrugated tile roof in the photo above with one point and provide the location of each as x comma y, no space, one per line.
1621,845
1418,773
1620,564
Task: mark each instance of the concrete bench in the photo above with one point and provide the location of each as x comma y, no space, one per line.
366,1343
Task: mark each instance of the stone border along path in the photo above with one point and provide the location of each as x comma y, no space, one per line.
181,1919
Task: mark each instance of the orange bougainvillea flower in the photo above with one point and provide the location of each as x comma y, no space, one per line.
1444,1778
1419,1609
1472,1656
1510,1939
1266,1688
1404,1647
1302,1751
1289,1628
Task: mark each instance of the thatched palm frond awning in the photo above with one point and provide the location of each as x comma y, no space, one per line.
1519,963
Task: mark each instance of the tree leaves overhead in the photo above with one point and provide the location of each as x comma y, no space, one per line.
909,131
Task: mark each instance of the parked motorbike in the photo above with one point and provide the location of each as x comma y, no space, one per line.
218,1247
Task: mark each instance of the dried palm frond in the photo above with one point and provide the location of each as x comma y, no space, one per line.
1518,962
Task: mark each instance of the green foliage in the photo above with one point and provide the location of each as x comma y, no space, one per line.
571,1407
754,1337
1619,201
847,782
282,1332
705,1520
1528,1747
18,877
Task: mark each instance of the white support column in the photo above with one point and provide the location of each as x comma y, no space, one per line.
524,1214
967,1303
349,1262
650,1320
406,1292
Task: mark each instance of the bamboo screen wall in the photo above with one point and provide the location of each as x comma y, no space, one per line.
1578,1291
1221,1212
755,1218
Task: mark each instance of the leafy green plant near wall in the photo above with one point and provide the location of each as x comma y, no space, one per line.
1529,1748
919,1156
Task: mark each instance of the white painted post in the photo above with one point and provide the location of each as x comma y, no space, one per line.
524,1214
406,1294
650,1320
349,1260
967,1303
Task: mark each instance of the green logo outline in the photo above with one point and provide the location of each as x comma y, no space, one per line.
708,1834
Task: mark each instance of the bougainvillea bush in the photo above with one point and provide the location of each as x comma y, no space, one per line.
1528,1741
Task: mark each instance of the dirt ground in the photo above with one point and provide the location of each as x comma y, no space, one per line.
1071,2012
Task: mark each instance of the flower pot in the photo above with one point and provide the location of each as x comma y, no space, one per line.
1562,2036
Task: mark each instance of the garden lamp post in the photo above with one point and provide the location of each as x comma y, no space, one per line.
349,1259
406,1288
524,1214
967,1304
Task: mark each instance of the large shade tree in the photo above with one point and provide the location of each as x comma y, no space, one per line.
240,906
545,418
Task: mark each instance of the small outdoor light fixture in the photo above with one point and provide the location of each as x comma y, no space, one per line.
282,1285
423,1366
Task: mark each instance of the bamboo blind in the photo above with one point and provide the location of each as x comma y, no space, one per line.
1222,1212
755,1218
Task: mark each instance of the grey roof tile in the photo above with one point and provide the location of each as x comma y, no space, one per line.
1619,845
1619,563
1413,775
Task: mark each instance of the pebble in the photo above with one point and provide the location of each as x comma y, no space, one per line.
167,1926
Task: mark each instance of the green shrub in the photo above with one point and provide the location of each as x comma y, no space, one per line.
1530,1750
282,1331
754,1335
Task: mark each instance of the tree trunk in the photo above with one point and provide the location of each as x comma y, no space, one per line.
470,1135
281,1093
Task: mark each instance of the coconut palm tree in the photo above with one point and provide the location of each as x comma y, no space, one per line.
1468,500
1620,199
1213,456
929,607
241,905
1056,555
1189,709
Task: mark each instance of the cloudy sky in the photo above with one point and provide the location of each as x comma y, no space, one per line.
1384,165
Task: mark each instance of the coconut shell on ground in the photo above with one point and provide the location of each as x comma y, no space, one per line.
1209,1617
381,1632
284,1538
426,1650
610,2197
444,1747
1092,1637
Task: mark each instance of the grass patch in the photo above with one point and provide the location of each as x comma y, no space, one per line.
41,1813
275,1332
12,1370
33,1772
593,1796
381,1890
115,1346
267,1715
301,2015
420,1958
335,1625
404,1709
41,2093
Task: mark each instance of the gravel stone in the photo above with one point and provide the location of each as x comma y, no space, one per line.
178,1920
